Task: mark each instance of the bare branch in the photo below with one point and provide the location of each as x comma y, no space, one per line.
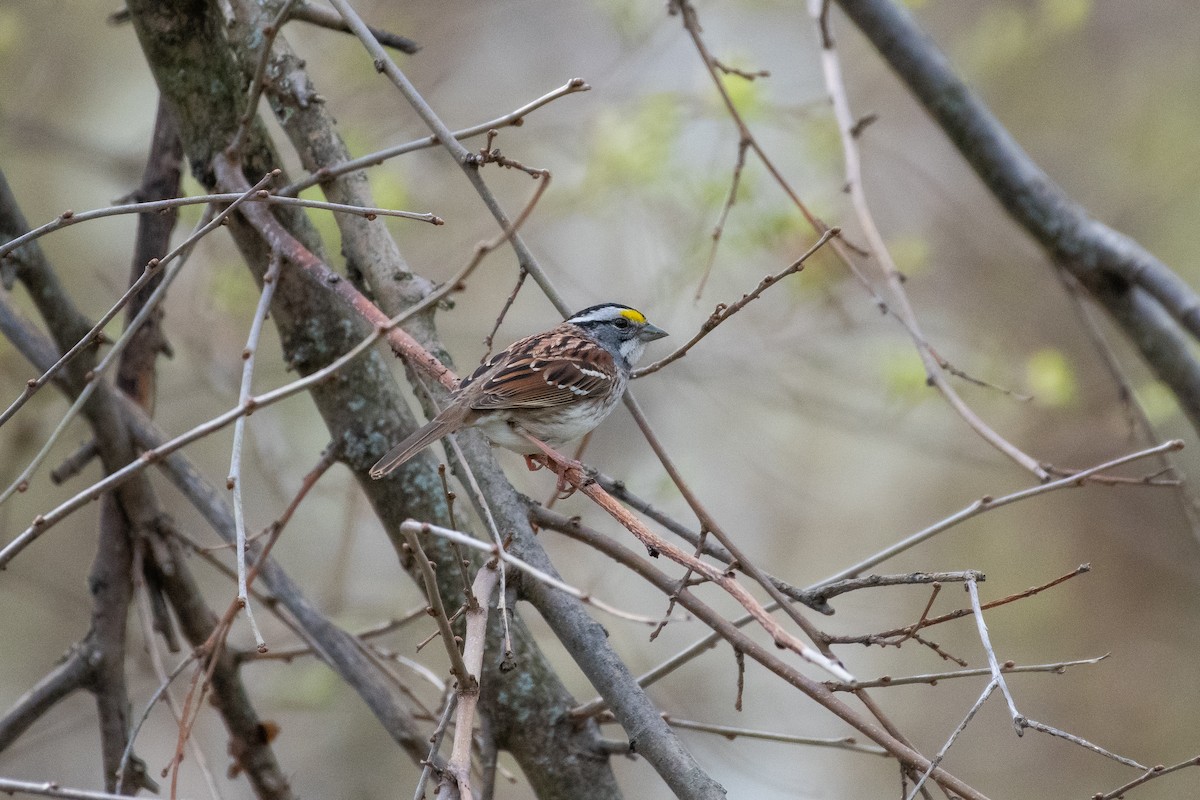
985,640
1084,743
985,504
724,629
415,527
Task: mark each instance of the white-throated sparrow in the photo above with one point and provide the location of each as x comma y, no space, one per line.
556,385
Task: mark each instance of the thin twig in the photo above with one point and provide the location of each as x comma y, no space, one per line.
52,789
513,118
490,339
936,590
234,483
300,650
383,655
193,703
325,18
163,692
267,34
1084,743
730,732
435,743
905,579
719,228
724,312
481,500
933,678
68,218
1154,772
459,559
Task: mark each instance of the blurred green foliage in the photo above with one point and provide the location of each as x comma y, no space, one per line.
1006,33
751,98
902,372
1051,378
633,146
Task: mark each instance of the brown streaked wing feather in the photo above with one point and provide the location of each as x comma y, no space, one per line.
543,371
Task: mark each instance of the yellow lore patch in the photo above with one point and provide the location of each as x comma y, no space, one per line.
634,315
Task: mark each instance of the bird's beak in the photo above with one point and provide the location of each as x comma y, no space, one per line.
651,332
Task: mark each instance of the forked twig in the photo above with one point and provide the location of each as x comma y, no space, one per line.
993,664
888,637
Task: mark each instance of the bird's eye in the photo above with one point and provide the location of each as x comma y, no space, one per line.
621,322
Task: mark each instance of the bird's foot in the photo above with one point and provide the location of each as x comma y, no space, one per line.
572,475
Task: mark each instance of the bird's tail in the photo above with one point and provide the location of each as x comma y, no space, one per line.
446,422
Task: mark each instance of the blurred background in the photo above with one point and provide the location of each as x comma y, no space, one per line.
804,423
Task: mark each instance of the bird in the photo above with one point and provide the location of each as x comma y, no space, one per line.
555,385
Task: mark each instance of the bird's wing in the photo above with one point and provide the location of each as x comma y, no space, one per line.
543,371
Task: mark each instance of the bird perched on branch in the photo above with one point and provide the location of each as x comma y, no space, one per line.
555,386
